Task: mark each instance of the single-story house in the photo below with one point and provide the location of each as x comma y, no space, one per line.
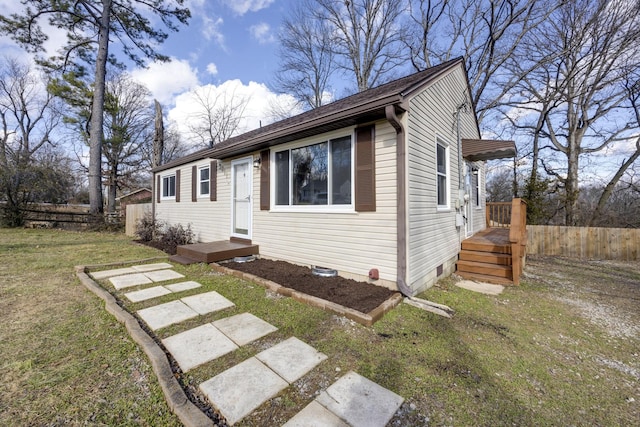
385,183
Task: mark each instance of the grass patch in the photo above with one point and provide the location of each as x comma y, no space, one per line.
561,349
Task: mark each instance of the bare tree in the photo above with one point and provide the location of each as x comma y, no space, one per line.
306,57
90,26
367,37
572,98
597,42
128,128
486,33
218,116
28,118
633,88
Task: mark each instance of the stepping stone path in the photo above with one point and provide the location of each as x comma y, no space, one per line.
352,400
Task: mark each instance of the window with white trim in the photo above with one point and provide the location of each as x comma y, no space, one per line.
315,175
169,186
204,181
442,174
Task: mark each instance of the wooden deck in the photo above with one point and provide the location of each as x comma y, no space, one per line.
213,251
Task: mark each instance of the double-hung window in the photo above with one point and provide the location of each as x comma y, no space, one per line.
319,174
204,181
442,172
168,186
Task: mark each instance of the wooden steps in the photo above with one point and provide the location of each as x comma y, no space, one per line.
213,252
486,257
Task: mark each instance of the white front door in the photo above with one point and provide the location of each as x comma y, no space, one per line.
241,203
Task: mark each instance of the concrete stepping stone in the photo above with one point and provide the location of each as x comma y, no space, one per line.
315,415
207,302
145,294
360,402
151,267
105,274
166,314
182,286
130,280
239,390
163,275
244,328
198,345
291,359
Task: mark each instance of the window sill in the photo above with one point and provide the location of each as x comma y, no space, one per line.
313,209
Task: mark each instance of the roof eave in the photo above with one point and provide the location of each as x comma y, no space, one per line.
314,126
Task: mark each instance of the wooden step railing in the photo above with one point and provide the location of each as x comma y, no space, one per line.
512,215
518,237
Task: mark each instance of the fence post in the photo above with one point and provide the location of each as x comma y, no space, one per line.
517,236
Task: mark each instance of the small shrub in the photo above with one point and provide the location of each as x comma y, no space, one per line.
148,228
176,235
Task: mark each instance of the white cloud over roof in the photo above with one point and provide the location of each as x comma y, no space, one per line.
212,68
165,80
243,6
262,33
263,106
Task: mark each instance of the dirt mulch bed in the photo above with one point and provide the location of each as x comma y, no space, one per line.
360,296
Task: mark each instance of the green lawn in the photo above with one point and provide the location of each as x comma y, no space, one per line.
530,356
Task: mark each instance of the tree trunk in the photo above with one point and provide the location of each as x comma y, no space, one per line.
158,139
571,183
97,119
113,189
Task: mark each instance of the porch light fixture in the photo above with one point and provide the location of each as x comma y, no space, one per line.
256,162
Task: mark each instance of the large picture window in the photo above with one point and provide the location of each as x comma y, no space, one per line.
318,174
442,170
204,181
168,186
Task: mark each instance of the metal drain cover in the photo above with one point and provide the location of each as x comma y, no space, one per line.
243,259
324,272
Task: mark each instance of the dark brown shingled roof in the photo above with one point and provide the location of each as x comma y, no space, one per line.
359,108
487,149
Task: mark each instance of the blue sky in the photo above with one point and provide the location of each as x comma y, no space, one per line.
229,48
238,36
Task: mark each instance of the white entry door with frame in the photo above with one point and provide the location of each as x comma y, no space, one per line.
241,200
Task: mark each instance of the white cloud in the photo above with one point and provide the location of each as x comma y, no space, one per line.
262,33
262,107
211,30
243,6
212,68
165,80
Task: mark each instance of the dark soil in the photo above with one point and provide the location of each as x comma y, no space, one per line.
360,296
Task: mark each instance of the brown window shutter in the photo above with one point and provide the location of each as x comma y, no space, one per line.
265,190
194,183
213,181
365,169
178,185
158,188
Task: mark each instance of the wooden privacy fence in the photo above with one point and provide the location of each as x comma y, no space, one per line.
621,244
135,212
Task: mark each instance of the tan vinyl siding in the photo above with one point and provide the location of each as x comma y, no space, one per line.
210,220
351,243
433,237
